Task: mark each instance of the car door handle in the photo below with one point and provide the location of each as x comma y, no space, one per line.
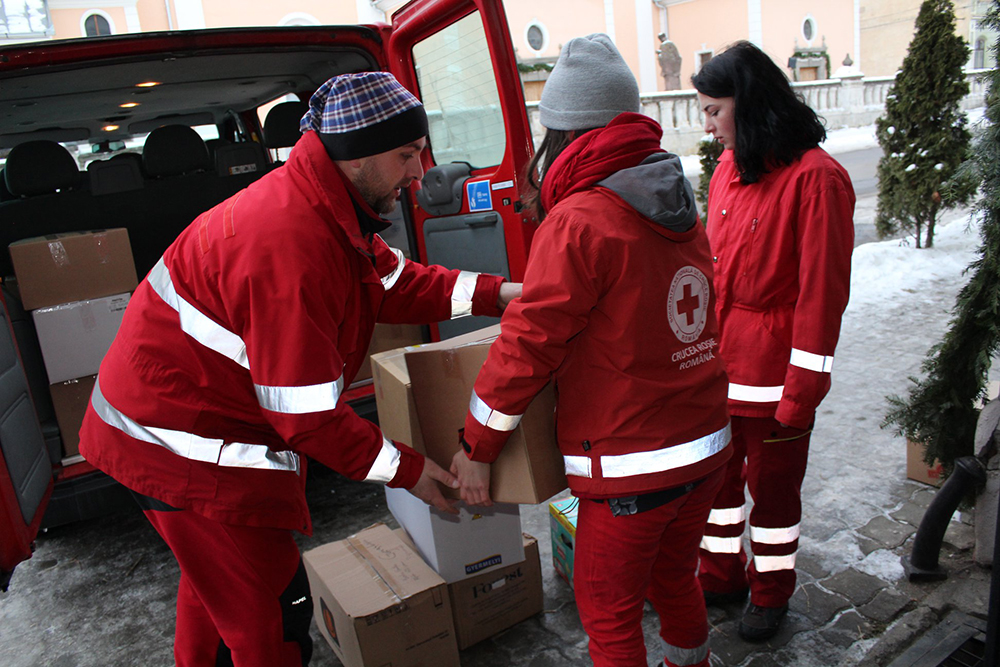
482,219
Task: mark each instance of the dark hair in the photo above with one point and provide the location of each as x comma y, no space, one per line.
773,124
553,144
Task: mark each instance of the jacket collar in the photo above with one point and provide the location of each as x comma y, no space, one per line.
347,208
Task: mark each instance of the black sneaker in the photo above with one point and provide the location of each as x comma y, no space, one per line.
760,623
713,599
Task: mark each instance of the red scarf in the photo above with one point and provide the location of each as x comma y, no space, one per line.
623,143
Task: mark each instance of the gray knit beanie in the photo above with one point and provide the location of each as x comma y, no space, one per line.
588,87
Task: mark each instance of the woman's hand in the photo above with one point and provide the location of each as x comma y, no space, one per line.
508,292
473,478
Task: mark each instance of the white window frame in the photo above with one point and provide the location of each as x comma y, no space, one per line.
103,14
545,36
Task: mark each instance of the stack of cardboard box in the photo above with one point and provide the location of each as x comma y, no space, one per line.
76,286
488,569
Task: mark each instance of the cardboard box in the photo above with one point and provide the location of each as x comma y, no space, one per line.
74,337
389,337
70,400
460,546
60,268
919,471
562,527
494,601
441,376
378,603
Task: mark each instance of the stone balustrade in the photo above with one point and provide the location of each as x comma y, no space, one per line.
851,101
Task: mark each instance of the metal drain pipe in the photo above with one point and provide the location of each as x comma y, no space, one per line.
922,564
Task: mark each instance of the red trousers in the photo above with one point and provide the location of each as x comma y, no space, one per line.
770,461
621,561
244,596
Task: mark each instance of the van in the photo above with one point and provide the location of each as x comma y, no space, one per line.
89,140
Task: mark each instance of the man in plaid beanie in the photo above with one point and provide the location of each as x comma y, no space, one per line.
228,370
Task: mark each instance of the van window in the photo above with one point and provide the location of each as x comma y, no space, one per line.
459,92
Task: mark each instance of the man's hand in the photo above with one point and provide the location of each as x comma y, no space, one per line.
427,489
508,292
474,479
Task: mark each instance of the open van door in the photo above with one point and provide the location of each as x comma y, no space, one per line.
25,466
458,58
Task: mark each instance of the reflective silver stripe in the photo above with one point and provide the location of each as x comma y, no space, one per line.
727,517
682,657
461,296
386,463
390,280
491,418
300,400
195,447
668,458
774,563
810,361
743,392
721,545
578,465
194,323
774,535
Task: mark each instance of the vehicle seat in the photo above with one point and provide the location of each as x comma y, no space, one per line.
5,194
41,167
281,127
246,157
174,150
113,175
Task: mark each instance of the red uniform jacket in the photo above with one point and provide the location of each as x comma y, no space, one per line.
617,309
235,350
782,249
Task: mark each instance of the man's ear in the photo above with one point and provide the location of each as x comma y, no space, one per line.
350,167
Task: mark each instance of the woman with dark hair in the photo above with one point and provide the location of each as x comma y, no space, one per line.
780,225
616,309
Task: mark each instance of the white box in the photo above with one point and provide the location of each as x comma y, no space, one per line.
474,541
74,337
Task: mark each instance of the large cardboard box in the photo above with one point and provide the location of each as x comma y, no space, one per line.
389,337
397,413
74,337
70,400
562,527
378,603
75,266
440,378
494,601
460,546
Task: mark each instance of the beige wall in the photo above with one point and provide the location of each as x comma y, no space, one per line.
67,22
693,32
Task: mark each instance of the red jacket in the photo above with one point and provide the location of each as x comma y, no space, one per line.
235,350
616,308
782,249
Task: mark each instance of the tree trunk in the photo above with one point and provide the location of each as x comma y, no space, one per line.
930,226
920,229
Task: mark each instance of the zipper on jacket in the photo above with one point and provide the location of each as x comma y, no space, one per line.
749,258
586,445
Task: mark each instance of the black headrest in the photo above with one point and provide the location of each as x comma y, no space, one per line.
281,127
5,194
243,158
111,176
40,167
173,150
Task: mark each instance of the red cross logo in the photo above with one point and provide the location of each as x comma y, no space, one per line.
687,305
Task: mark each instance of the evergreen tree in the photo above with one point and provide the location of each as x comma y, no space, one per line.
709,149
940,411
923,134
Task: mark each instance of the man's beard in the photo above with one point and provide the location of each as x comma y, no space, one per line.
367,184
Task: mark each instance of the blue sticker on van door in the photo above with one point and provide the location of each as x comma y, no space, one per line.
480,198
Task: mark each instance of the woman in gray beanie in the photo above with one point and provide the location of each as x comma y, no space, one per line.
617,309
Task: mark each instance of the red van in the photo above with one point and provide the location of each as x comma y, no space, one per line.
75,117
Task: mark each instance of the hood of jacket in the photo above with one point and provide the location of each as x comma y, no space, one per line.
625,157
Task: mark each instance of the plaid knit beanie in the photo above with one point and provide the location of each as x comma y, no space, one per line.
589,85
362,114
